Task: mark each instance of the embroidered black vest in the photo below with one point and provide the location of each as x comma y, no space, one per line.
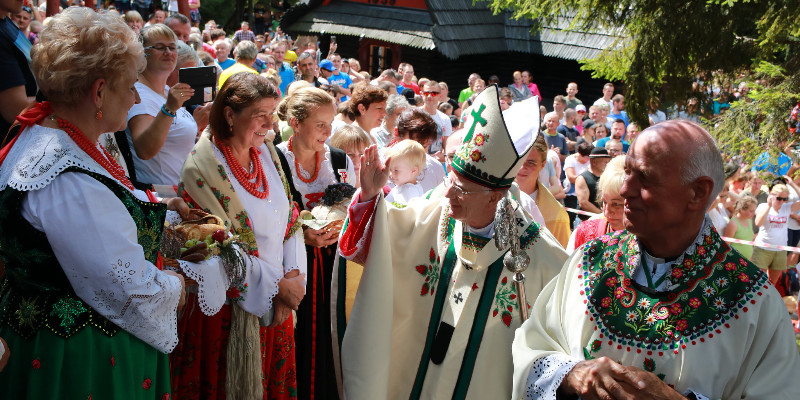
35,292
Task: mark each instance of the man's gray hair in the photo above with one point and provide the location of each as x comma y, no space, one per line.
394,102
704,160
245,50
187,54
306,54
177,17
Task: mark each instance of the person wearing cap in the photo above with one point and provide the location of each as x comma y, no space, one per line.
436,309
326,69
339,78
580,111
586,182
664,309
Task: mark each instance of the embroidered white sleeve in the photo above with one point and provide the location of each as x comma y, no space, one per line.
95,241
546,375
294,254
212,280
262,284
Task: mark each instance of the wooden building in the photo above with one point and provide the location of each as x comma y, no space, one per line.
446,40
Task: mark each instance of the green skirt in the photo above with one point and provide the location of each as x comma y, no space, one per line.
88,365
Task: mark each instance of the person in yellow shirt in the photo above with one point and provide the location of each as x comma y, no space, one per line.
245,54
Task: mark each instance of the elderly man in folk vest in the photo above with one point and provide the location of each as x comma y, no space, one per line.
665,309
436,308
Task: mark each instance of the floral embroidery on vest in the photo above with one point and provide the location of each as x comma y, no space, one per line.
713,285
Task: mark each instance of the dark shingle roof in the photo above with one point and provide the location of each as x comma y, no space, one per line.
409,27
455,28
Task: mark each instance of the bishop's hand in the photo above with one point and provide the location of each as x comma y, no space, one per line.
374,174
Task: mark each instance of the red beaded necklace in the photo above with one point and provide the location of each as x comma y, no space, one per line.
297,165
108,162
241,173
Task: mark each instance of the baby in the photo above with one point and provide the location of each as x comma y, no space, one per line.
408,161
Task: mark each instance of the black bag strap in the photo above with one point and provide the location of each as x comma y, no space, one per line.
125,149
287,171
338,161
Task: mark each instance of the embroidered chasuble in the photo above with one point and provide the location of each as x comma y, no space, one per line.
435,312
714,326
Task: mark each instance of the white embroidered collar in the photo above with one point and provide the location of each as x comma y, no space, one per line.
39,155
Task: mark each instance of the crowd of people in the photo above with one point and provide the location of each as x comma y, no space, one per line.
470,215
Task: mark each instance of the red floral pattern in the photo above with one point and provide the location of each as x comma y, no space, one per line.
430,272
36,364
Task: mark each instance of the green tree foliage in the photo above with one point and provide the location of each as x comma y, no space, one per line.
664,44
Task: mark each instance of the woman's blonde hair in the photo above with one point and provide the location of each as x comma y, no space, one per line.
409,150
779,188
611,179
151,33
540,145
744,201
79,46
301,103
133,16
349,137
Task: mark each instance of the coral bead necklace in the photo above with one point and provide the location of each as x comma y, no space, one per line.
297,164
241,173
108,162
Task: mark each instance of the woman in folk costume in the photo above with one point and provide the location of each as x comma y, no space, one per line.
436,308
314,166
234,174
84,305
555,217
611,203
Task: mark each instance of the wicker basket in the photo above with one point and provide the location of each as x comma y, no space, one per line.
172,241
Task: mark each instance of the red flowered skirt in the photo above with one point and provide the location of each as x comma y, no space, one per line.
198,363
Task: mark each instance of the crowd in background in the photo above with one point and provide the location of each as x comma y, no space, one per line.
325,106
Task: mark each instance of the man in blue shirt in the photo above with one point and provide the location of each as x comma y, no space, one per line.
617,107
284,69
617,133
339,79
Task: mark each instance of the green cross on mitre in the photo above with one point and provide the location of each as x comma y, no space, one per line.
488,154
476,118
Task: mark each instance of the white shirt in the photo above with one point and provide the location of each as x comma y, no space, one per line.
774,229
165,167
404,193
572,162
268,217
312,191
445,130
